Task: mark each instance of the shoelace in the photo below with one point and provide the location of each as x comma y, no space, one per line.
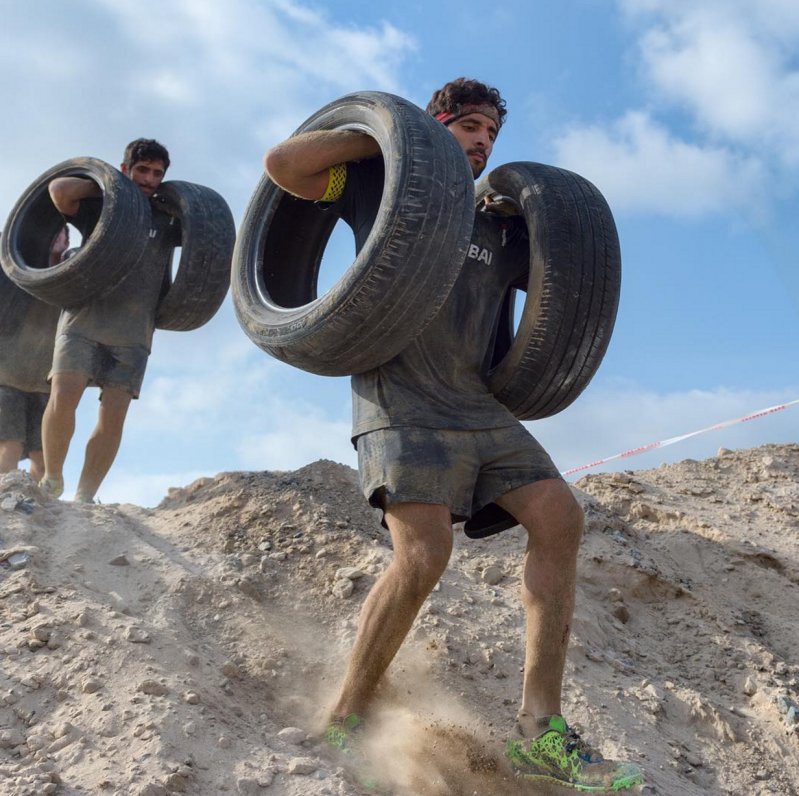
575,742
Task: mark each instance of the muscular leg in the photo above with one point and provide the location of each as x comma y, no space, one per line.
422,538
10,454
102,447
554,523
58,423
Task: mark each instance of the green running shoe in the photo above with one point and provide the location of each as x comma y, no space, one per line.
52,487
559,755
339,733
342,735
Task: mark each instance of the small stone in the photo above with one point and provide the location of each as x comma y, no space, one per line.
247,786
191,698
137,635
302,765
119,561
349,573
153,789
91,685
224,742
176,783
229,669
42,632
492,575
621,612
18,560
36,742
750,686
343,588
11,738
293,735
152,688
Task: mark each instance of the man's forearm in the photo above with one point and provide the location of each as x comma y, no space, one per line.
300,164
66,193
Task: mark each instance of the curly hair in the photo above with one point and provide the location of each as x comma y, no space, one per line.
145,149
451,98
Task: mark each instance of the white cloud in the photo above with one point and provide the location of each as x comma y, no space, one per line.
730,63
641,167
218,83
303,435
144,489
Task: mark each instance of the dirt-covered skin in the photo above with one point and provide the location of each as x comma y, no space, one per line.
193,648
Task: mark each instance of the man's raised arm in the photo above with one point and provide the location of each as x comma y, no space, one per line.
301,164
66,193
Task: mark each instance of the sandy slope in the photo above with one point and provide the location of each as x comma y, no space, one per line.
193,648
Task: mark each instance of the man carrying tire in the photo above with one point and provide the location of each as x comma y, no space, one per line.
26,354
106,342
435,447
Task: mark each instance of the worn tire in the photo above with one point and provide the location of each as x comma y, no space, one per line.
202,278
109,250
401,276
572,295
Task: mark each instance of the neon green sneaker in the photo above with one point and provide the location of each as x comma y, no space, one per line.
54,487
558,754
342,735
339,732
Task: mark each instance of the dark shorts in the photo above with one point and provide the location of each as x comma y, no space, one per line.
121,367
464,470
21,417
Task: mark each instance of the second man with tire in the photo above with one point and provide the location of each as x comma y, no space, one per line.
106,342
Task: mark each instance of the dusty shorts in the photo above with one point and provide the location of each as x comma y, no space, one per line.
21,417
464,470
106,365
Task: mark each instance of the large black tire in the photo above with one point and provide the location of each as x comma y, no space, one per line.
401,276
572,293
109,250
203,275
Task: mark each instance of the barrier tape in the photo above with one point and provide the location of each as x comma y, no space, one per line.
662,444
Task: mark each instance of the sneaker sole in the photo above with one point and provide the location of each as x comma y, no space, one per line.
622,784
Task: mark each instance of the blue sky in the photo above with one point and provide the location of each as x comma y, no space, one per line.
684,114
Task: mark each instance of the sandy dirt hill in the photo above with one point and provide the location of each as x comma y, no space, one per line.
193,648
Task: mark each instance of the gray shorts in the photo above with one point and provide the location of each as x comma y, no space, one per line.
21,417
464,470
106,365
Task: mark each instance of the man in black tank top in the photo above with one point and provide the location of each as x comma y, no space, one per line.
436,447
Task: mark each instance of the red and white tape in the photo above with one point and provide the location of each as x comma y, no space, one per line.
662,444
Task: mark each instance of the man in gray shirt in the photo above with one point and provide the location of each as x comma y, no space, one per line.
26,353
107,341
435,446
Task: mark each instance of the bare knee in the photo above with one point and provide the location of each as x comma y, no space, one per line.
422,538
420,567
549,511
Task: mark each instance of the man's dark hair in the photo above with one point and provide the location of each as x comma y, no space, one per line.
145,149
459,92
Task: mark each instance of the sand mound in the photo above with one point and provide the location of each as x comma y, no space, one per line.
193,648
